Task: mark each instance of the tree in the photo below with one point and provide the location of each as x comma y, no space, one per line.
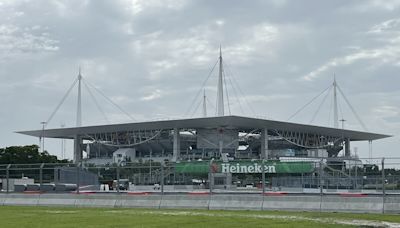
26,155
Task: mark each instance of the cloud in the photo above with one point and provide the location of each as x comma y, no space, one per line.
389,25
160,67
160,52
269,98
220,22
137,6
387,53
381,54
371,5
153,96
265,32
387,111
18,41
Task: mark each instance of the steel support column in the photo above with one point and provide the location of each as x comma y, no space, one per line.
8,177
177,145
77,148
133,157
347,147
264,144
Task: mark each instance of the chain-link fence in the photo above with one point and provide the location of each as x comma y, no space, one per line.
295,175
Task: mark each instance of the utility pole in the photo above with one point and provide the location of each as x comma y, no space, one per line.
343,139
43,126
370,149
383,185
342,120
204,104
62,145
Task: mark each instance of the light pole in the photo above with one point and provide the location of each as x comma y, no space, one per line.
43,125
343,120
62,145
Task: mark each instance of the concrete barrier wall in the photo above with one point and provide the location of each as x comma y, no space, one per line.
185,201
287,202
2,199
352,204
236,202
56,200
392,204
22,199
139,201
96,200
333,203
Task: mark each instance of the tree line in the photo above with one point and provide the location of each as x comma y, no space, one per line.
28,154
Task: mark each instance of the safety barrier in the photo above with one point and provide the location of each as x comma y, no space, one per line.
292,202
57,200
139,201
2,198
329,203
367,204
236,202
194,201
22,199
94,200
392,204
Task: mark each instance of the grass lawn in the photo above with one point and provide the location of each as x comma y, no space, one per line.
14,216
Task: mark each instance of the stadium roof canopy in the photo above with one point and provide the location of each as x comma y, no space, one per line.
232,122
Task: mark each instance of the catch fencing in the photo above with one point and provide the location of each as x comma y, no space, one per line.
290,175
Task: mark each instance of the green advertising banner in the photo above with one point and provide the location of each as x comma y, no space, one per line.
244,167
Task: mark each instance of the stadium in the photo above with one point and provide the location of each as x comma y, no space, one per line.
222,162
178,132
219,137
231,142
224,137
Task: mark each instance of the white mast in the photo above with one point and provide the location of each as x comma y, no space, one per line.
220,91
204,104
79,108
335,104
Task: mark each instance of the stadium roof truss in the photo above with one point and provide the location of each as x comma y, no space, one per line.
244,124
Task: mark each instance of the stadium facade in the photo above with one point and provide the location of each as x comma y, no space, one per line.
224,137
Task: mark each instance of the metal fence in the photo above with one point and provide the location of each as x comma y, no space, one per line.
292,175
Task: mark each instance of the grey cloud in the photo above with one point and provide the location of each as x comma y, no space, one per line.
151,57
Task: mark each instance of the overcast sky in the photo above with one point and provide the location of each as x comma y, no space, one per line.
151,58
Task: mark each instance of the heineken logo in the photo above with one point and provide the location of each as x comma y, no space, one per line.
246,168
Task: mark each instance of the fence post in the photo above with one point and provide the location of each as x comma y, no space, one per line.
162,178
117,183
210,177
263,176
321,186
321,189
356,175
383,186
41,175
77,177
8,177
